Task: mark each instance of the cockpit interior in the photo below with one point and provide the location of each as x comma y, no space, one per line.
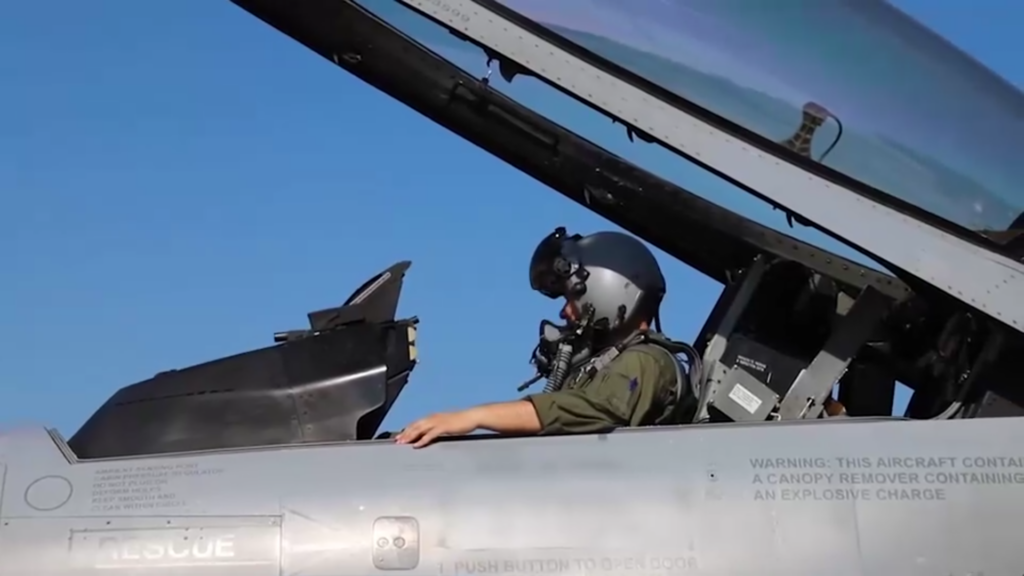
798,333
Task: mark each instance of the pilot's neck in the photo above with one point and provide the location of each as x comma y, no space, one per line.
618,336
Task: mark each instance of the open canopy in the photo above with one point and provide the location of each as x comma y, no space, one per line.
887,101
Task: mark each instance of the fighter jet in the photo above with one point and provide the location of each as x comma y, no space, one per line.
271,462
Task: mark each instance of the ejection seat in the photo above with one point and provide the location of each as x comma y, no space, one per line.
768,354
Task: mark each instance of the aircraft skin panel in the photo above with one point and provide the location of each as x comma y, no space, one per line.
964,270
248,545
886,496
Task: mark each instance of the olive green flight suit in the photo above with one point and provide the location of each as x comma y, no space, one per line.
637,388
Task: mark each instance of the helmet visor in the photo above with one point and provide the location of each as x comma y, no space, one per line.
548,268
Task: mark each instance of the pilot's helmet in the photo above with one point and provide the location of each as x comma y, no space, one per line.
610,276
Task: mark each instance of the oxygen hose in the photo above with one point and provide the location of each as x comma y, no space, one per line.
560,368
695,372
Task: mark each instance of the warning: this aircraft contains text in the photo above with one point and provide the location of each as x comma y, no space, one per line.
882,479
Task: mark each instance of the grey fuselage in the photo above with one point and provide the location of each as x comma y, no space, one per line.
838,497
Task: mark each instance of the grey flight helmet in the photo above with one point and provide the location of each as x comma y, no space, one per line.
612,278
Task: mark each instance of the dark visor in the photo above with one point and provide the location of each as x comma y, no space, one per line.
549,270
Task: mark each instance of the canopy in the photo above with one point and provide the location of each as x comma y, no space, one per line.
902,110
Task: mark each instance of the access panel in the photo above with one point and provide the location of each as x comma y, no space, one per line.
171,546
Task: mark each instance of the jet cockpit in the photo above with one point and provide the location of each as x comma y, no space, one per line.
794,320
798,333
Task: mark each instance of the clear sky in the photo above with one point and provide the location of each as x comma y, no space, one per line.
178,181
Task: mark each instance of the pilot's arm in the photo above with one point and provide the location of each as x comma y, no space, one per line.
633,390
516,417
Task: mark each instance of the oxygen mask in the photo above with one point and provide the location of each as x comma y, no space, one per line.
560,347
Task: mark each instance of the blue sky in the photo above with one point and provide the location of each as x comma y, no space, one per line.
178,181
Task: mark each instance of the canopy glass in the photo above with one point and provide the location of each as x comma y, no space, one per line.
857,85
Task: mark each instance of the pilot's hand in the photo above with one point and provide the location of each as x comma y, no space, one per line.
426,430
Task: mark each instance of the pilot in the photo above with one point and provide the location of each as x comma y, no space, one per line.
620,373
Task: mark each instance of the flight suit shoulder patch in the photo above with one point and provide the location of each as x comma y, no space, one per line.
654,371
